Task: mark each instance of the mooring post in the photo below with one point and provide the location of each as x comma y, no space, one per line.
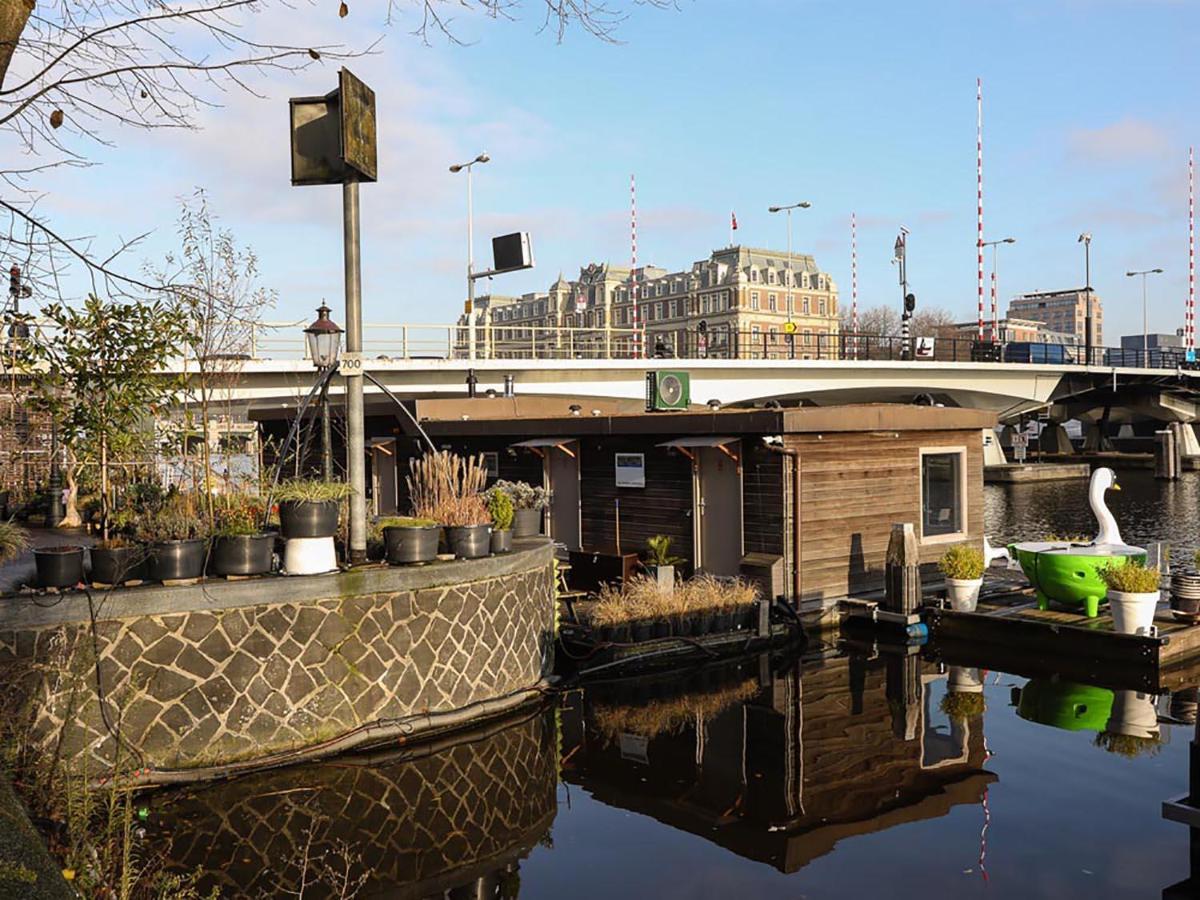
1166,454
903,574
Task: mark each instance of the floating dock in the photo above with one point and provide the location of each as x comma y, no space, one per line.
1020,473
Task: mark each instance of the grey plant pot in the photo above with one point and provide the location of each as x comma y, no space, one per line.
526,522
406,545
469,541
502,541
664,576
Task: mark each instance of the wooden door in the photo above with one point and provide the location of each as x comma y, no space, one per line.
719,510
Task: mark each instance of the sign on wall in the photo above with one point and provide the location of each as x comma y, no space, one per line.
631,470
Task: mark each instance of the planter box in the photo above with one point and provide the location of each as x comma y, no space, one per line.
306,519
469,541
407,545
58,567
177,560
526,522
243,554
116,565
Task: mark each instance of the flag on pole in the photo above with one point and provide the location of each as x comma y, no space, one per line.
733,221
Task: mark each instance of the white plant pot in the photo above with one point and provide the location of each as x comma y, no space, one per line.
1133,613
309,556
964,680
663,576
963,593
1133,714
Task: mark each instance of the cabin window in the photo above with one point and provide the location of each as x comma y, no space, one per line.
943,493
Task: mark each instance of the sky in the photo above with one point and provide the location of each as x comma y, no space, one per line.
717,106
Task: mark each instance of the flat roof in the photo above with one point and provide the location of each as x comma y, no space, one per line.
503,417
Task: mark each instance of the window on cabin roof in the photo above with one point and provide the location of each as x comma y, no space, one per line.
943,512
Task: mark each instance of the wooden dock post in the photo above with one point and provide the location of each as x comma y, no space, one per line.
1166,454
902,576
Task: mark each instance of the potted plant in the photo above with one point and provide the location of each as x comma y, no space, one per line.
240,545
409,540
117,561
528,502
963,706
309,509
1185,591
447,488
59,567
1132,596
660,564
14,540
176,539
963,567
500,507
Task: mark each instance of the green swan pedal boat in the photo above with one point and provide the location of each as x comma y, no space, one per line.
1069,573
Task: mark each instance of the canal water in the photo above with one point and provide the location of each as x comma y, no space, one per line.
851,771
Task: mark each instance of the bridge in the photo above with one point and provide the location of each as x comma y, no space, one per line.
426,361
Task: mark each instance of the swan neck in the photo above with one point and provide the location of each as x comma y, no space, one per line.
1109,533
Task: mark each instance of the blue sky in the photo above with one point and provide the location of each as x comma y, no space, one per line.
722,105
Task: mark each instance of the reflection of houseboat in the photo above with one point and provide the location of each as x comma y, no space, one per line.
806,495
453,816
769,760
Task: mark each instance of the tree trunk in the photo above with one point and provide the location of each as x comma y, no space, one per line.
104,486
71,517
13,16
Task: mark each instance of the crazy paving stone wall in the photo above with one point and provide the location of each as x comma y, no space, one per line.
415,823
210,687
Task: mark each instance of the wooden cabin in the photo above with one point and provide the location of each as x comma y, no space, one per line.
803,497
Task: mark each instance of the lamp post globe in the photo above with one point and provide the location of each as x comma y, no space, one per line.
324,339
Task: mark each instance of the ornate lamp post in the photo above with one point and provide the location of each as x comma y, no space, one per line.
324,339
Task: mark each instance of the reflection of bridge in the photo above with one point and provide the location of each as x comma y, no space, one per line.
779,767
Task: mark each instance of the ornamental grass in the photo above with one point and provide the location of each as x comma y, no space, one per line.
641,599
14,540
672,715
447,488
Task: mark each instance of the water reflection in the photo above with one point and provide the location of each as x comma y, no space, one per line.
451,819
767,758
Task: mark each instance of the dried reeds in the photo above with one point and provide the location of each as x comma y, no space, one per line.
641,599
670,716
446,487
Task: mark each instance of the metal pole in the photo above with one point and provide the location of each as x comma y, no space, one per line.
355,440
1145,326
790,277
1087,277
326,437
470,272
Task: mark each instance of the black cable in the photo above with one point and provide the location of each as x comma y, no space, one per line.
115,732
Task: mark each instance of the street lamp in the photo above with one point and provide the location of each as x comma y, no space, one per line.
324,343
455,169
803,204
995,245
1145,320
1086,240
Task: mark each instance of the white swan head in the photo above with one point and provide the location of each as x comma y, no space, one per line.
1104,479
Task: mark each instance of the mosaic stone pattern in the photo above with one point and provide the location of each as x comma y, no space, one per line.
206,687
418,825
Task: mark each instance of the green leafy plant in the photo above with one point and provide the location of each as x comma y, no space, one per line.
658,551
14,540
237,514
962,706
312,491
1066,538
404,522
500,506
1131,578
962,562
522,495
1196,560
177,518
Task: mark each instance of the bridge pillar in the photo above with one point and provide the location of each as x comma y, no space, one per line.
1054,439
1189,444
1094,438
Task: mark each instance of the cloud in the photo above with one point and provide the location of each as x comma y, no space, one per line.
1128,140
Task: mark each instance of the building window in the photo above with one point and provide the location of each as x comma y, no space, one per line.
754,274
806,306
772,303
821,305
770,276
658,310
943,493
754,299
754,331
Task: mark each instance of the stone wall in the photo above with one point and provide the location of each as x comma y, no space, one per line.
236,671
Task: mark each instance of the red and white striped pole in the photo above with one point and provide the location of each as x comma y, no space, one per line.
1189,321
979,196
633,293
854,283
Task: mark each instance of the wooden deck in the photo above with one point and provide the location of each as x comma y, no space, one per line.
1008,631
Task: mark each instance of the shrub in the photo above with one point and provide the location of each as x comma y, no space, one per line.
1066,538
1129,745
962,706
175,519
312,491
403,522
962,562
14,540
658,551
500,506
1196,560
522,495
1131,578
237,514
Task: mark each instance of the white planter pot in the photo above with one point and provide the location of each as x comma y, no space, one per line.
963,593
1133,714
309,556
964,680
1133,613
663,576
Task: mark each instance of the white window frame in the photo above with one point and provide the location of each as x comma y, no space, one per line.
957,536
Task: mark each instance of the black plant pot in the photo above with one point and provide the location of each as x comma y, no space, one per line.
722,622
662,629
469,541
642,631
3,504
242,554
117,565
526,522
308,519
58,567
502,541
177,560
405,545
